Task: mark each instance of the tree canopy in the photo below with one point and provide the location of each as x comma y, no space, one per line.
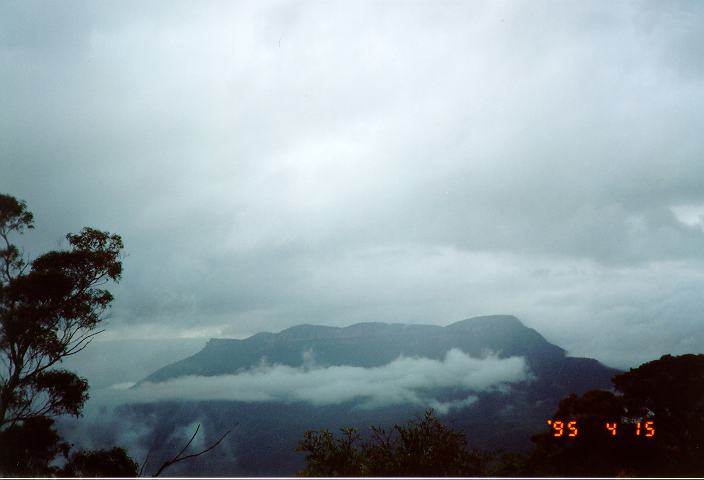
50,308
421,447
668,392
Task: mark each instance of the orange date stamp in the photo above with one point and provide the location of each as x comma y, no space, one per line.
570,428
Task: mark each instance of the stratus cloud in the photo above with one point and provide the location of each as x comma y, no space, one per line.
404,380
252,154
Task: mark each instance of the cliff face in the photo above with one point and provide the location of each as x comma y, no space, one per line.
368,345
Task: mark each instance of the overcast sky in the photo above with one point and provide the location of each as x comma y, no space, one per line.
276,163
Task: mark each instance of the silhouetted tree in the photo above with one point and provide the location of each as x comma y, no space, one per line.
330,456
34,448
100,463
50,308
422,447
28,448
669,392
506,464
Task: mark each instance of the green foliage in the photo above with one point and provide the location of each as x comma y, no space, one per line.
422,447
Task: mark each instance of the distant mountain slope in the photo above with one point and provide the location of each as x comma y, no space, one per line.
364,345
266,433
375,344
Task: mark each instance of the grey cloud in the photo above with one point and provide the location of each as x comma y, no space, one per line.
272,163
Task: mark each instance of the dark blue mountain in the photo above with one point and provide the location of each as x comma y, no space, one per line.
375,344
266,433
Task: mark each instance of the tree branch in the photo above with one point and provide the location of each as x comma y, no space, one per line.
81,344
179,458
143,468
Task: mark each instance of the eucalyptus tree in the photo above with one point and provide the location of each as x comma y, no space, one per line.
50,308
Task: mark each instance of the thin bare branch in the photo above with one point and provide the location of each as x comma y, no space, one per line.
143,468
179,458
189,442
87,339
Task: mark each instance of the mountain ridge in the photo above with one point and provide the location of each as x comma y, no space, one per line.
369,344
267,432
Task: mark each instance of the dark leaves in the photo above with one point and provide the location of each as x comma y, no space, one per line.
14,215
423,447
48,313
66,391
100,463
668,391
28,448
